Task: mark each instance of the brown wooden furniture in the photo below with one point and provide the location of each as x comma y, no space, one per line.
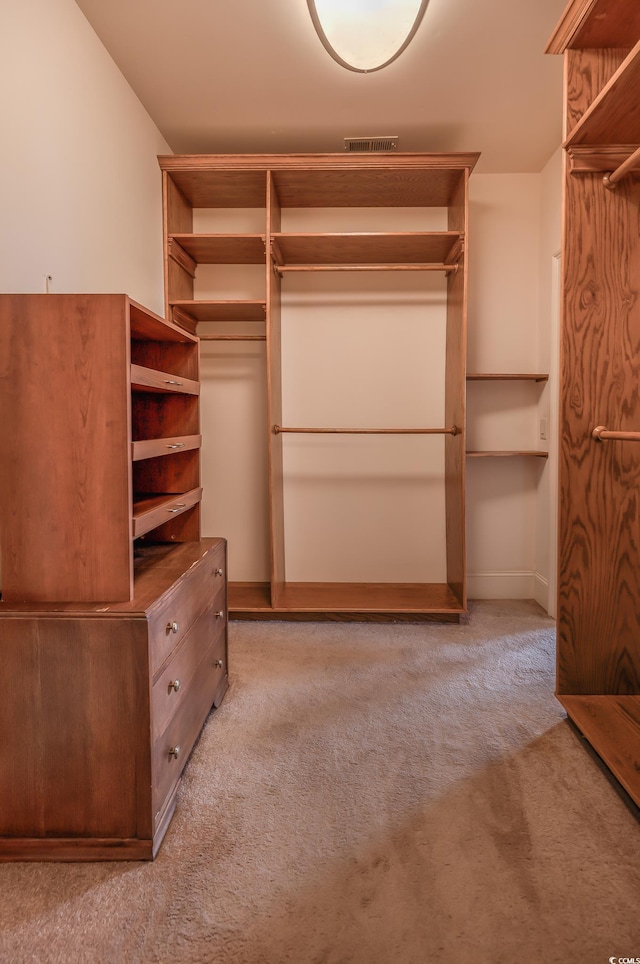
599,549
113,612
278,182
104,705
100,435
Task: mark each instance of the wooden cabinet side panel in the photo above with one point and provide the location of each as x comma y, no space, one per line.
274,403
599,511
76,760
586,73
65,517
455,399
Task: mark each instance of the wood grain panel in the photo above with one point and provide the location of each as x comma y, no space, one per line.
455,402
163,415
599,537
65,473
586,73
175,472
614,116
274,404
57,768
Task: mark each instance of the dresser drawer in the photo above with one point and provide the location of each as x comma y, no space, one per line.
205,638
172,748
203,586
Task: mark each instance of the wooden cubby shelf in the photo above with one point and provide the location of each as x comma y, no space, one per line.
614,116
507,454
366,248
222,248
221,310
506,377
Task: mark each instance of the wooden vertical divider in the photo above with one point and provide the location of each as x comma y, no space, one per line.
274,400
455,396
178,219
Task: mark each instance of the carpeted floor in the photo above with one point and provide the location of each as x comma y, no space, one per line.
366,794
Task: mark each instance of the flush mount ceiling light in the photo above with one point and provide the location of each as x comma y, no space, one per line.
366,35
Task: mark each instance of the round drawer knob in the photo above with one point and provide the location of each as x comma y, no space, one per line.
219,614
172,628
217,572
218,664
174,685
174,751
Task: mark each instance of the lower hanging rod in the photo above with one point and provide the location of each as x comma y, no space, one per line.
280,268
602,434
280,429
610,180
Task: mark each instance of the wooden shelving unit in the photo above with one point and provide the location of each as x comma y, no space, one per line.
537,377
598,678
275,183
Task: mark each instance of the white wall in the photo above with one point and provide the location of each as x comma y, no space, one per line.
504,312
80,191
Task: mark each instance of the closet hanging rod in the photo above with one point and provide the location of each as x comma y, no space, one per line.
602,434
454,430
232,337
280,268
610,180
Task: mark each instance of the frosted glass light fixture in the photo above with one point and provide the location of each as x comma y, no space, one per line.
366,35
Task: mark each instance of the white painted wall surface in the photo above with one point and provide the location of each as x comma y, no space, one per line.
80,191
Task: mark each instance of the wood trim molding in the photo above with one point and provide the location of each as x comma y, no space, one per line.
569,25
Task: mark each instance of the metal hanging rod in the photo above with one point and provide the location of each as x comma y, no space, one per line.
232,337
602,434
280,268
610,180
280,429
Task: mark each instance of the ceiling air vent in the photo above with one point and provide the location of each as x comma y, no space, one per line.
369,144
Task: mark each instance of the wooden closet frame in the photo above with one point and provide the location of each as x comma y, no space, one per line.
328,180
598,636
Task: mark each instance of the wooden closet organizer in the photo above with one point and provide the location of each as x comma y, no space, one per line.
277,182
598,679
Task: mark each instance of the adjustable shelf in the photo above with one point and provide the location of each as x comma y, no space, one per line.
506,377
213,310
220,248
436,250
506,454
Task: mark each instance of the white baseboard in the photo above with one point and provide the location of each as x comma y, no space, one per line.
542,593
501,585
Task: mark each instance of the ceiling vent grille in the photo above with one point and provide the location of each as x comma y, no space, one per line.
370,144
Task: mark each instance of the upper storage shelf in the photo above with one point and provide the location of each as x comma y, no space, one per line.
614,116
591,24
318,180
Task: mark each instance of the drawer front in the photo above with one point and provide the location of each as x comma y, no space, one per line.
203,587
172,748
205,638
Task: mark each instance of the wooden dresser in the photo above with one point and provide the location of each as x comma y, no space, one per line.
113,619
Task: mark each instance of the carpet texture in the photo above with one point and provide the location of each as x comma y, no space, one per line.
366,794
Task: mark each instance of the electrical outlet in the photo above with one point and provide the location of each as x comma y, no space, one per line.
543,428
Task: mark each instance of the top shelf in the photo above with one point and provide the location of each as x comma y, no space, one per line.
319,180
593,24
614,116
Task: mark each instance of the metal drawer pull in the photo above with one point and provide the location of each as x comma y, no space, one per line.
171,381
218,664
217,572
174,751
172,628
219,614
174,685
178,506
176,445
601,434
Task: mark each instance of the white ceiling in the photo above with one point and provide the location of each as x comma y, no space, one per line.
252,76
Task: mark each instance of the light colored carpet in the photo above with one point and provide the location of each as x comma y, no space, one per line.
366,794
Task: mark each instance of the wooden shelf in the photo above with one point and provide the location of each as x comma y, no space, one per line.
340,600
588,24
506,377
222,248
150,380
145,326
151,511
614,116
611,724
415,247
507,454
154,448
221,310
318,180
